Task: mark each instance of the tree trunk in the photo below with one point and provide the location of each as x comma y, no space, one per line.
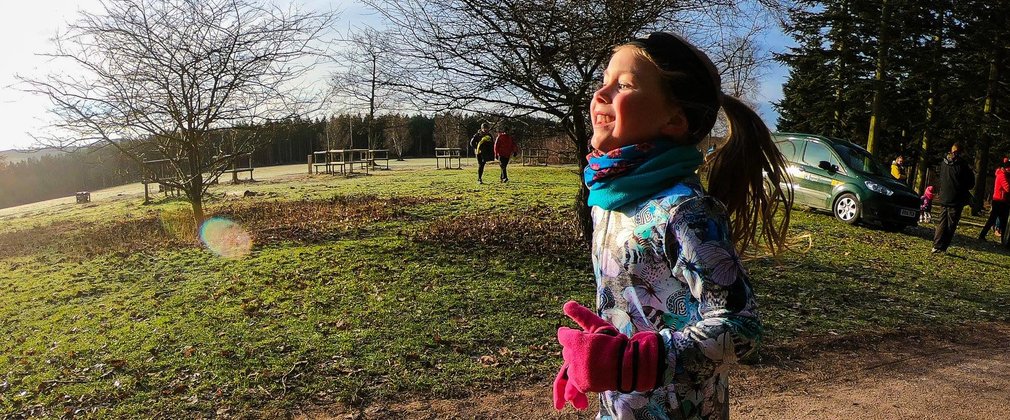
927,133
198,216
194,187
878,80
982,154
371,107
922,172
580,138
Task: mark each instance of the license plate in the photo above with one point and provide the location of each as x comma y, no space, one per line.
907,213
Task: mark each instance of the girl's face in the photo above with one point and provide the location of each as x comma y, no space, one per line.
630,107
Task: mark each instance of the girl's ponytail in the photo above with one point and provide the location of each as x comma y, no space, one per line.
747,174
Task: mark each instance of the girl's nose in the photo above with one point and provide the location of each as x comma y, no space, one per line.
602,94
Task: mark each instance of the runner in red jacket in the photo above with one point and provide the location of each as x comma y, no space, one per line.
504,149
1000,203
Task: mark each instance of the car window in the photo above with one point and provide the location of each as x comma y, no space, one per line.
859,160
817,152
789,149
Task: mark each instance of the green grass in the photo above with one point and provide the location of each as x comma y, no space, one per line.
443,288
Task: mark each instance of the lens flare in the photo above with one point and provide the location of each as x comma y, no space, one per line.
225,238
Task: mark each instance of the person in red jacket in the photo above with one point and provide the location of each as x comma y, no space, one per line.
1000,202
504,149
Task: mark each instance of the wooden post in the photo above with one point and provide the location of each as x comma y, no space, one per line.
310,160
234,173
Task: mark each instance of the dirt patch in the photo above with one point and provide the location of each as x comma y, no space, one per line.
316,220
928,373
544,229
84,240
267,221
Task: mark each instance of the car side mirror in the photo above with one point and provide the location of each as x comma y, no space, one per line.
827,166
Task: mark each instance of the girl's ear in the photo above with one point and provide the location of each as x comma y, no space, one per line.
676,127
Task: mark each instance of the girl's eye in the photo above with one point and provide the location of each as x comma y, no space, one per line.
601,85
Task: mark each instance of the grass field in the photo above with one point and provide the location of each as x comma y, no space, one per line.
410,283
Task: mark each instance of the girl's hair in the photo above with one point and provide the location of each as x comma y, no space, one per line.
747,172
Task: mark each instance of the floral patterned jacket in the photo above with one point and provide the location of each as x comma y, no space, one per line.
667,264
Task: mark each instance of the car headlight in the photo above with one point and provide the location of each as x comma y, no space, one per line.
877,188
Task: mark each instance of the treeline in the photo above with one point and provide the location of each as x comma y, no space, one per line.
902,77
284,142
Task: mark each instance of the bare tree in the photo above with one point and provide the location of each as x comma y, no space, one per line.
397,134
369,66
538,57
742,62
168,74
338,132
449,130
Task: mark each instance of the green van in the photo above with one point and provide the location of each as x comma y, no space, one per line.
845,179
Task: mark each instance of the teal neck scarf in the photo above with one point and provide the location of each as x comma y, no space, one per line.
633,172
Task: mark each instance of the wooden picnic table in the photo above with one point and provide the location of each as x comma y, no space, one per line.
535,157
345,159
448,154
158,171
232,165
375,155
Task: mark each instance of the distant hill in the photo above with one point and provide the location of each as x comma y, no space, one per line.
14,156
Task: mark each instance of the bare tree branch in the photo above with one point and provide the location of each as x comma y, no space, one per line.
167,78
539,56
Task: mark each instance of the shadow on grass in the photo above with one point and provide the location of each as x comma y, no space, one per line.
964,246
815,298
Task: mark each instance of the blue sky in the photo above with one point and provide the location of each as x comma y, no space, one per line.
26,28
771,83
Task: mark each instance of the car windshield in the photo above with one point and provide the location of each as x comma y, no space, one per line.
859,159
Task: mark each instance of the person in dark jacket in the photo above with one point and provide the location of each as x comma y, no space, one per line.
956,181
1000,203
483,147
504,148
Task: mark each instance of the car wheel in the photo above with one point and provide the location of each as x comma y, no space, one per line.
847,208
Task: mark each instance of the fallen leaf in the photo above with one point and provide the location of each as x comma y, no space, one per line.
174,390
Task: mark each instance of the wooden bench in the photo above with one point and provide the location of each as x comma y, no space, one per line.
157,172
535,157
567,158
233,167
343,159
355,157
375,155
320,159
448,154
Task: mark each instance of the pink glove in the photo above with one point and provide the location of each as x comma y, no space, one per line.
602,359
565,390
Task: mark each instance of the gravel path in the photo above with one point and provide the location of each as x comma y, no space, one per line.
957,373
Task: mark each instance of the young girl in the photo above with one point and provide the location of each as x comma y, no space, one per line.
926,208
675,308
